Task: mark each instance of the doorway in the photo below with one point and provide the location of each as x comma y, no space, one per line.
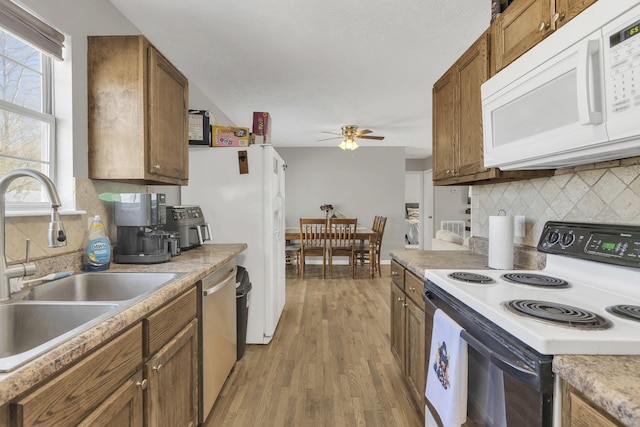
413,210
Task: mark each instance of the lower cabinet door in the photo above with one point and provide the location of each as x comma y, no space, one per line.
415,351
122,409
398,319
172,374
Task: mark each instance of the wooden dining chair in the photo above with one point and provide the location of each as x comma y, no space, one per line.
313,242
342,242
362,250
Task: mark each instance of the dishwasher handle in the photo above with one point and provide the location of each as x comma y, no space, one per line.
215,288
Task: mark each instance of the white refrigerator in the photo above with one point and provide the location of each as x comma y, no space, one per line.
246,208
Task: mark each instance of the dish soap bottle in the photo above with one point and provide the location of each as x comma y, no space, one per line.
97,254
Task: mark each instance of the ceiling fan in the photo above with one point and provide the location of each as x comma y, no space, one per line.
349,135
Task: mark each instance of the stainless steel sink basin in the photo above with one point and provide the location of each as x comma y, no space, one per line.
29,329
102,286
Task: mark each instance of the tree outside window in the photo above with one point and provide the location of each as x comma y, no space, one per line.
26,117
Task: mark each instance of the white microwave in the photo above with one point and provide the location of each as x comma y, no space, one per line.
572,99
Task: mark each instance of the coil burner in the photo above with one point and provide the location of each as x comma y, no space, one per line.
468,277
631,312
533,279
558,314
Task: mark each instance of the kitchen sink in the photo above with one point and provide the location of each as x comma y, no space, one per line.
102,286
40,318
29,329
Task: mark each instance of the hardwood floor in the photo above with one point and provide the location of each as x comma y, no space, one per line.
329,364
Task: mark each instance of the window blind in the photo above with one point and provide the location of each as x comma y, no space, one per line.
31,29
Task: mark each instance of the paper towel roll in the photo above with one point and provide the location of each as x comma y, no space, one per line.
501,242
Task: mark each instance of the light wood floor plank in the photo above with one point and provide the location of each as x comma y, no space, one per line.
329,364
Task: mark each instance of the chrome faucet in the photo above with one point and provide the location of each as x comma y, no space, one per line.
57,237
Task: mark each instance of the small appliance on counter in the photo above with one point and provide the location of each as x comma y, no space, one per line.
189,223
139,217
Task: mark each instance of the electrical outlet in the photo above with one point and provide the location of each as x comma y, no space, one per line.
519,226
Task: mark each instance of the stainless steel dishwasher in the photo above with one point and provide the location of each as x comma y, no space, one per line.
218,333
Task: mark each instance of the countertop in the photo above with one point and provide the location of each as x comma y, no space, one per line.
611,382
195,264
418,261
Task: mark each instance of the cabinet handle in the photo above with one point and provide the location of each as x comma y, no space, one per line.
157,368
412,289
558,17
400,299
404,305
394,273
142,384
543,26
156,167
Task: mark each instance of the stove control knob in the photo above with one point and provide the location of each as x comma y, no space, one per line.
553,237
568,239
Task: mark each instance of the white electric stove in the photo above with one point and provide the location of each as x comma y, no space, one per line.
586,290
585,301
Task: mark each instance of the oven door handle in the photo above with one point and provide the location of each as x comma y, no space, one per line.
521,373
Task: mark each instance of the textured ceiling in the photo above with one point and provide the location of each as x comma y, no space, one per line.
317,65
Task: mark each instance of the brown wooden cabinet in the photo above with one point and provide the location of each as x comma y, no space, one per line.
138,113
578,411
123,408
171,368
172,393
527,22
458,149
398,313
407,336
457,117
73,395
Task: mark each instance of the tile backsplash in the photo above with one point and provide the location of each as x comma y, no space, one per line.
607,193
18,229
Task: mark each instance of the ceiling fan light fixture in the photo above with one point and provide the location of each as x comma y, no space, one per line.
348,144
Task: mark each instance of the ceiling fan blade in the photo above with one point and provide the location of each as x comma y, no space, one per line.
379,138
363,131
327,139
332,133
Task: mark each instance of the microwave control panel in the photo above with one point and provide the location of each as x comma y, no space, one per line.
624,70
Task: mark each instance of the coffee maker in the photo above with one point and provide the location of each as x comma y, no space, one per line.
139,217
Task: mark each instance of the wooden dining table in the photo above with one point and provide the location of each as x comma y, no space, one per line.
362,234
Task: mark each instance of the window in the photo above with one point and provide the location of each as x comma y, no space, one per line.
27,120
27,135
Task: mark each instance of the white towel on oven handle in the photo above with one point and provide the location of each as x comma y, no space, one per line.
446,387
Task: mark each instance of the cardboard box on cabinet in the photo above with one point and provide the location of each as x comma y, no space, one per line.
229,136
262,126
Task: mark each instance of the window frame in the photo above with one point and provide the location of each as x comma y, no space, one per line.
46,116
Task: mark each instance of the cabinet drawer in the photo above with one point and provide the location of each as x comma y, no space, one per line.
165,323
397,274
69,397
413,286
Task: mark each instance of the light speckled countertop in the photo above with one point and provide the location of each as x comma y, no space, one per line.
419,261
195,264
612,382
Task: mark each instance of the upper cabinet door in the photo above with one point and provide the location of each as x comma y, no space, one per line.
168,118
473,70
523,25
569,9
138,113
445,110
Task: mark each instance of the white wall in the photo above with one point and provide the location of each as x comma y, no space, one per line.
361,184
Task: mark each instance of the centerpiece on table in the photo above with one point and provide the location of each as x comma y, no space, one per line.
327,209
